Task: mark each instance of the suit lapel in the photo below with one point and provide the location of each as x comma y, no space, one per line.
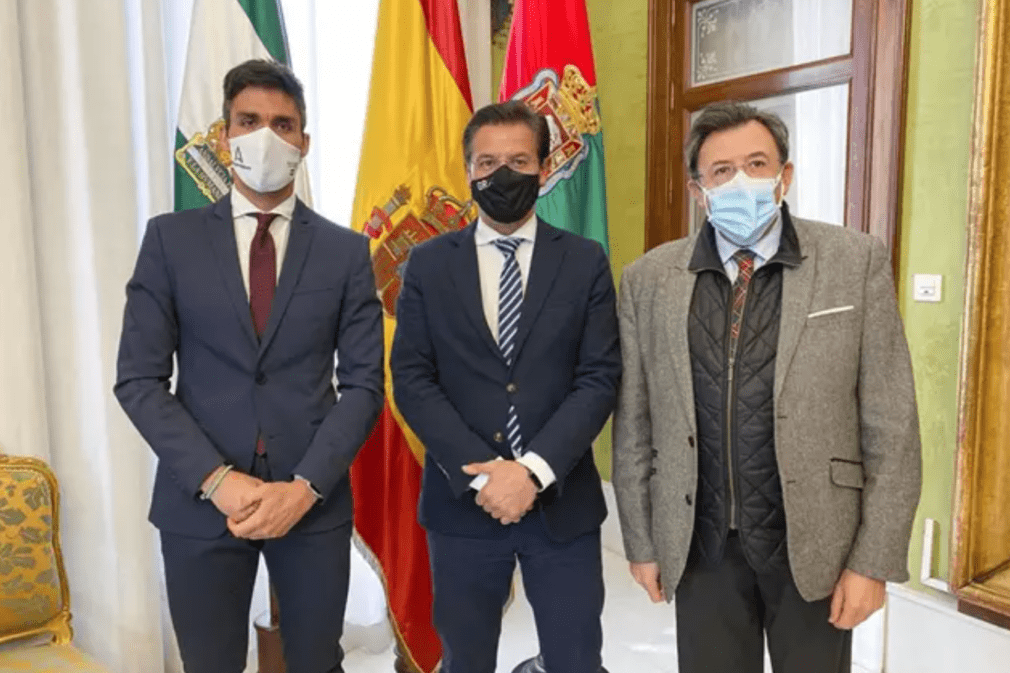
222,241
466,277
797,292
299,238
548,256
677,293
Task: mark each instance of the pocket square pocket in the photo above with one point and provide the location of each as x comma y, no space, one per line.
847,473
831,311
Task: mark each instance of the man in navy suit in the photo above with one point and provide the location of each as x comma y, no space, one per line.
506,364
252,296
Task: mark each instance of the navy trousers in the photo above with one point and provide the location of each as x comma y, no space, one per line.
210,585
472,579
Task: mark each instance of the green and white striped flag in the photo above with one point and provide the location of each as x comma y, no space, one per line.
223,34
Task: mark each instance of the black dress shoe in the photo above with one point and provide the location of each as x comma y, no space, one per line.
536,665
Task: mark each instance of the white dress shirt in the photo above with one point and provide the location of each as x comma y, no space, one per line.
763,250
243,213
490,261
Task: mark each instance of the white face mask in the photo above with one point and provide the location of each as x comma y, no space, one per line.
264,161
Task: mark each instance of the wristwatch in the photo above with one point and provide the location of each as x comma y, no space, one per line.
535,479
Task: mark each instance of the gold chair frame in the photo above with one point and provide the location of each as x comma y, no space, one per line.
58,626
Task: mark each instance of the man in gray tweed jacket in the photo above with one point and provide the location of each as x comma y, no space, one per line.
766,440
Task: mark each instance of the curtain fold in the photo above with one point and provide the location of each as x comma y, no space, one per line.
86,87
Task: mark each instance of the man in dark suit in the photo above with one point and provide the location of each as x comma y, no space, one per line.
253,295
506,364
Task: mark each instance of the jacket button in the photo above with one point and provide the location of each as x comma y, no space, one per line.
261,378
690,441
499,437
687,498
511,389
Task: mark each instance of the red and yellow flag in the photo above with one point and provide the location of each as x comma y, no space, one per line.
411,186
549,65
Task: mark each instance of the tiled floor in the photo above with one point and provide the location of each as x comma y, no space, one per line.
638,636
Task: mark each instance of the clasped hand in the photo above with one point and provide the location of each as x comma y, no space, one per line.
509,492
259,510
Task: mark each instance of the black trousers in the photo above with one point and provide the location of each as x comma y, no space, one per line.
725,612
564,585
210,585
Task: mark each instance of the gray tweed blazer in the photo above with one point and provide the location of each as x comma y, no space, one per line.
846,424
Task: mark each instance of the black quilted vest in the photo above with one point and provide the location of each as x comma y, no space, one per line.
738,476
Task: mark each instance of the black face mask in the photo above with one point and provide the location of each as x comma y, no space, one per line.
506,195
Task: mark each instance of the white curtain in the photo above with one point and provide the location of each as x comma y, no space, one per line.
820,143
90,91
84,161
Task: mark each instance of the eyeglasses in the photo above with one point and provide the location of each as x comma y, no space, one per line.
721,173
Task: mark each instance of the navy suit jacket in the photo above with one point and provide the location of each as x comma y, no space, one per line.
186,300
454,388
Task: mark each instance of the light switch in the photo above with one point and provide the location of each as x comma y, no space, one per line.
928,287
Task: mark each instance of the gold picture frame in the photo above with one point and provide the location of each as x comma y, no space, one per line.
980,546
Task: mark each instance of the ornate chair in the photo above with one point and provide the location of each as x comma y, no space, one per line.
35,633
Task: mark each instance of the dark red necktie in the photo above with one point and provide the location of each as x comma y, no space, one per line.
262,272
262,282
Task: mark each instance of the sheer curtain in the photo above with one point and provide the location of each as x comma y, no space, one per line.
84,162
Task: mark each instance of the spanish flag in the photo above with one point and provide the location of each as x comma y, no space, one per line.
549,64
412,186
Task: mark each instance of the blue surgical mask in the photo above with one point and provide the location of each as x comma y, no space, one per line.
743,208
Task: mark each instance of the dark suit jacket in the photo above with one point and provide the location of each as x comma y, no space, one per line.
454,389
187,300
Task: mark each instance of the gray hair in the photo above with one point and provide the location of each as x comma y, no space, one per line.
728,115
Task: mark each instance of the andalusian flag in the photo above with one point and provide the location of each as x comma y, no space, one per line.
549,64
223,34
412,186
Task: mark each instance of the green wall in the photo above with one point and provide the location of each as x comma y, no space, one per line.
934,217
620,44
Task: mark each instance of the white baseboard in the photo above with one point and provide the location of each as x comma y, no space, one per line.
926,634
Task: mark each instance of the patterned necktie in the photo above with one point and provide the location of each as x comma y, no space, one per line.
262,272
745,271
510,300
262,282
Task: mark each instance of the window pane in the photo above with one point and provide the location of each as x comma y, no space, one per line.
735,38
818,123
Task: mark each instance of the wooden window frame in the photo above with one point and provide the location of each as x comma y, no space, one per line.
875,69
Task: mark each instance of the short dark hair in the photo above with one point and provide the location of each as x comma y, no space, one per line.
267,75
510,112
728,115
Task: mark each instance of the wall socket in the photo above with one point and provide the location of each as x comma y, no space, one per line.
927,287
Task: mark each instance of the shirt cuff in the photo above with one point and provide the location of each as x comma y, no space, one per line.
539,467
478,482
319,496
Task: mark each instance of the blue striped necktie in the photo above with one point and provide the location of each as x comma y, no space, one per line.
510,301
